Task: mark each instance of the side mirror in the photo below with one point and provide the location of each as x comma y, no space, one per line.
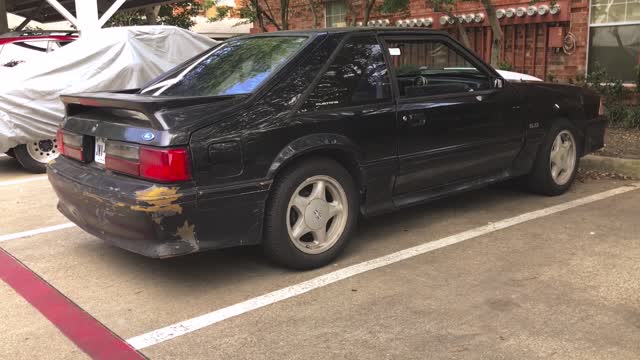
498,83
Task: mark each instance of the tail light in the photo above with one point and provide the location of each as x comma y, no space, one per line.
601,108
165,164
70,145
158,164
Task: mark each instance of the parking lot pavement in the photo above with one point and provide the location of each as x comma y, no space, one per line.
544,287
26,334
10,170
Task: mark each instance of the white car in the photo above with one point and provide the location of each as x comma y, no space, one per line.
112,59
514,76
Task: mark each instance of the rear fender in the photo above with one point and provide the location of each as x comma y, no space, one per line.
310,144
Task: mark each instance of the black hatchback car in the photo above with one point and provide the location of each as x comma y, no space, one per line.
285,138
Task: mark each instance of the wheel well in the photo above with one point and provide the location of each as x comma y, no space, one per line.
345,158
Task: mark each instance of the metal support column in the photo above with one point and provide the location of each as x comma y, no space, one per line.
4,23
87,15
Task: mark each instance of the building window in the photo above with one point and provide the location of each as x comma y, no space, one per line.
336,14
614,39
614,11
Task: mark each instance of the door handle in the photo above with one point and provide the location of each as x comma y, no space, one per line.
414,120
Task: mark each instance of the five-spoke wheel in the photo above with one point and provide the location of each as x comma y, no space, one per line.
317,214
563,157
311,214
556,164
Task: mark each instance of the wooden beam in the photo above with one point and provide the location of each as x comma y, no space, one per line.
535,48
545,54
514,29
63,11
524,48
109,13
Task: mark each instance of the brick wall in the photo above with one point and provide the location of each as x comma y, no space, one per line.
525,43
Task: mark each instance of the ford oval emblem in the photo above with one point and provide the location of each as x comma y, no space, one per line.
148,136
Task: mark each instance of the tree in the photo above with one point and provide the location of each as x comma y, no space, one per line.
368,6
261,12
178,14
448,6
258,11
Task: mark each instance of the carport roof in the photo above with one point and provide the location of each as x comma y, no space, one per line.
41,11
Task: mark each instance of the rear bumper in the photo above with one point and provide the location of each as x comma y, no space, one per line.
150,219
594,135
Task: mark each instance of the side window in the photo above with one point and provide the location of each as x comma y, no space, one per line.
357,76
428,67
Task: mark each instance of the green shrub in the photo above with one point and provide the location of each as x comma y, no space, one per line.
618,111
505,66
623,116
633,118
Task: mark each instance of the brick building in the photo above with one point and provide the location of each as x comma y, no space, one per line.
560,40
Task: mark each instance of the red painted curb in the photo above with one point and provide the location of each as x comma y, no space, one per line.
76,324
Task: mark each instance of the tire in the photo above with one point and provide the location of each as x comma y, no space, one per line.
35,156
11,153
541,180
295,201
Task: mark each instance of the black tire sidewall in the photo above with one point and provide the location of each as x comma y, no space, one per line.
27,162
276,242
541,180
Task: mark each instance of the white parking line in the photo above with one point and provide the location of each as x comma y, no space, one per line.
187,326
24,180
35,231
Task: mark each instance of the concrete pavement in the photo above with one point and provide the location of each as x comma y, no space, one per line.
561,286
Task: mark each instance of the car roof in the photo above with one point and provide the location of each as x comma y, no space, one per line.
342,30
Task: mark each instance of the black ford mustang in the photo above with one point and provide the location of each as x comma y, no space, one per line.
285,138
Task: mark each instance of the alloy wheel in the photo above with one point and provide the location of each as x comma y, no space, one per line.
317,214
563,157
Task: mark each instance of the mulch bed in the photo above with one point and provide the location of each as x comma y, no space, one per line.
584,175
621,143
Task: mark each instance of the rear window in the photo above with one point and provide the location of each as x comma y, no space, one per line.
235,67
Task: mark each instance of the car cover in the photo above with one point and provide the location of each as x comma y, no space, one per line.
112,59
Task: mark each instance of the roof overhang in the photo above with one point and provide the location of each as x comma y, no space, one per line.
41,11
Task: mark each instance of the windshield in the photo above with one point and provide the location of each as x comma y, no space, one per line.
235,67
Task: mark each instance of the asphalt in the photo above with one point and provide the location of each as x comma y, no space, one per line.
561,286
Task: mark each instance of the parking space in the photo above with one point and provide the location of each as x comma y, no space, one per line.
12,172
556,283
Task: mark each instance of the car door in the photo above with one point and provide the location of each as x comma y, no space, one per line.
352,97
454,117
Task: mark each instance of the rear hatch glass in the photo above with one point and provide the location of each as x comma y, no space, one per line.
235,67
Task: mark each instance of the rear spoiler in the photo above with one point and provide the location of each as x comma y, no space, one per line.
140,107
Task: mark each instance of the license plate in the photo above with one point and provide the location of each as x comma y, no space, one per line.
99,154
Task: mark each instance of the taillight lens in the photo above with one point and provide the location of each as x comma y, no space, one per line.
60,141
158,164
70,145
168,165
601,108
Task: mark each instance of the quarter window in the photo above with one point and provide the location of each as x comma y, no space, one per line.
357,76
427,67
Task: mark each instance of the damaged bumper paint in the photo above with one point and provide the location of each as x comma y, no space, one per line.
150,219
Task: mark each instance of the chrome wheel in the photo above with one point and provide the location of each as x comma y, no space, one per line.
563,157
317,214
43,151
